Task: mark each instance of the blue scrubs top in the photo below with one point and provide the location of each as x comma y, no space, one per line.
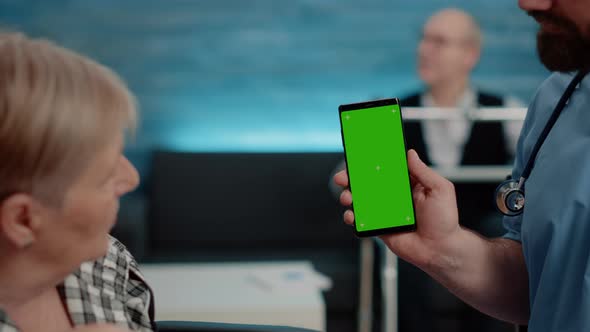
555,227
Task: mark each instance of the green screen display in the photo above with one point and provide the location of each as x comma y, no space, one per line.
377,168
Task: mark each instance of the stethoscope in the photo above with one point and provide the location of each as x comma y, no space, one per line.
510,193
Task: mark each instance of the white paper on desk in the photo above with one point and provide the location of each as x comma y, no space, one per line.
290,280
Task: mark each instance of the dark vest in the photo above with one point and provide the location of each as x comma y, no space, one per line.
486,145
486,142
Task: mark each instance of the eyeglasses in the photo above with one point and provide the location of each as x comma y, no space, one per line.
441,41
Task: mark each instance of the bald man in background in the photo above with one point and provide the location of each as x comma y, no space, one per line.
448,51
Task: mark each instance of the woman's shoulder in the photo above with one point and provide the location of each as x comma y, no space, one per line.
114,280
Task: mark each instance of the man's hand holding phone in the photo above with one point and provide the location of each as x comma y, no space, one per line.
436,214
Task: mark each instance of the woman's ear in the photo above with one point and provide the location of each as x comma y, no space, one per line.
18,220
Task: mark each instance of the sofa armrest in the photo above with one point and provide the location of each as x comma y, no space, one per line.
186,326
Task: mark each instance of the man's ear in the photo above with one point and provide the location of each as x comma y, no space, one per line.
18,220
472,56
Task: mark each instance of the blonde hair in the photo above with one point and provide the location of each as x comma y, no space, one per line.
57,108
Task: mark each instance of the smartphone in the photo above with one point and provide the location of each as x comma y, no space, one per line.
377,165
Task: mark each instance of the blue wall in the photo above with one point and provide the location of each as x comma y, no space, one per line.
266,75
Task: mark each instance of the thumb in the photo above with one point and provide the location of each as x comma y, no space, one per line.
422,173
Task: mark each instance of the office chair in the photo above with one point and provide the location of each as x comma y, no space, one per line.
185,326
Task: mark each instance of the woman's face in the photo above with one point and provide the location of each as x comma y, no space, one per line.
78,229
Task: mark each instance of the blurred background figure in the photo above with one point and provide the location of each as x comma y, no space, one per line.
449,50
447,54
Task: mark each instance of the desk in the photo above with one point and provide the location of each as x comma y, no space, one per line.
276,293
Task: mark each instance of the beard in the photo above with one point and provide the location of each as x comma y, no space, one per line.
566,50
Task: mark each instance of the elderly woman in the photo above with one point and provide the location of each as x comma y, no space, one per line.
62,172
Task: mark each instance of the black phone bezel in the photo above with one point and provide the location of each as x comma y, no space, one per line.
363,106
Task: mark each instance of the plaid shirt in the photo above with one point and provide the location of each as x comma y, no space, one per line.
108,290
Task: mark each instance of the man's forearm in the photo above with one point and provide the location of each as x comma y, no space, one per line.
489,274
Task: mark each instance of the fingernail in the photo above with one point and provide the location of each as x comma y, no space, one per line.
415,154
348,212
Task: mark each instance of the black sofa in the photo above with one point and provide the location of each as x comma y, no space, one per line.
232,207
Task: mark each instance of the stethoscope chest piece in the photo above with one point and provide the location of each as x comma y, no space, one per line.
510,193
510,198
